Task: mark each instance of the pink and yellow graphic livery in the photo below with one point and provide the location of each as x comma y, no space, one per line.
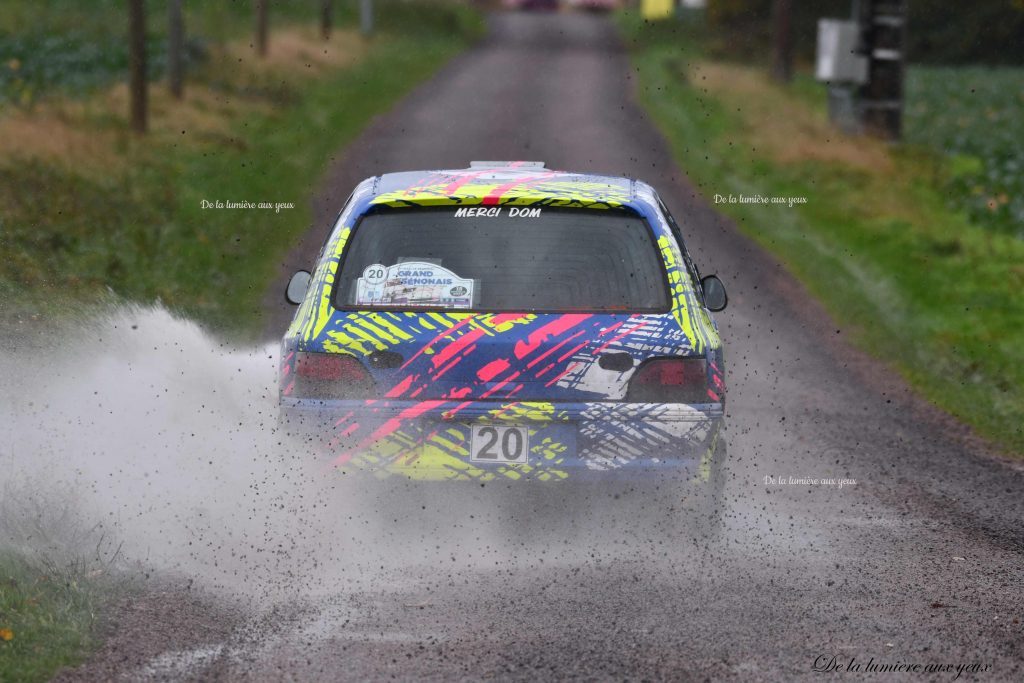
506,321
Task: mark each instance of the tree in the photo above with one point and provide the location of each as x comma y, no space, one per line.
782,40
175,47
261,27
137,63
325,19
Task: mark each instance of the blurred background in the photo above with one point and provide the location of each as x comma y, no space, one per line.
91,205
102,177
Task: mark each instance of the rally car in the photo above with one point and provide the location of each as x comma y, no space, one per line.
506,322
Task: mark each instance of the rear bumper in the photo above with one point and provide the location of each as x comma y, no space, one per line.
431,439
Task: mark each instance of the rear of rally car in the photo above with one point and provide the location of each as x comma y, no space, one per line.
547,335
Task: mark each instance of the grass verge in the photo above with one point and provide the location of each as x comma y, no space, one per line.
55,580
921,286
47,617
86,207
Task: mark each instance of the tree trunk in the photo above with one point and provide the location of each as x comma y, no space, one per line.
325,19
137,63
261,27
782,18
175,48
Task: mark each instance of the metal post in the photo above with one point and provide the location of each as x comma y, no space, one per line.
883,26
366,17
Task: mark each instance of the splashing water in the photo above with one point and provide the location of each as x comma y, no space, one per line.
139,435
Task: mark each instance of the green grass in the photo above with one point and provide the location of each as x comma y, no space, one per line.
921,285
51,615
141,232
973,116
55,580
72,47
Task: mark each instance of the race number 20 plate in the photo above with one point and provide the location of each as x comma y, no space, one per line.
502,444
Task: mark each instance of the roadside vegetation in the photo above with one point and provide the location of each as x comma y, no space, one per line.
55,581
916,247
90,211
973,116
48,616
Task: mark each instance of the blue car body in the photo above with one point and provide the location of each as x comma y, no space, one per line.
433,378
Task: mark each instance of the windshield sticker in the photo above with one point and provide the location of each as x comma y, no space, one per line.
413,283
496,211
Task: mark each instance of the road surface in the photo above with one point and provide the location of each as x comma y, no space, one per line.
918,562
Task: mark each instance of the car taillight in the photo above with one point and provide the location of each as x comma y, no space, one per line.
331,376
670,380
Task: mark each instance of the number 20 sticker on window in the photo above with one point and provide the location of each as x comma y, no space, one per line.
413,283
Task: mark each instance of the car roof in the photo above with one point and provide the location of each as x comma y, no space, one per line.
494,183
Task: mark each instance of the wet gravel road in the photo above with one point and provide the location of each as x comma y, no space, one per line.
918,562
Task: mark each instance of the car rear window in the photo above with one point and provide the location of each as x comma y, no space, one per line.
533,259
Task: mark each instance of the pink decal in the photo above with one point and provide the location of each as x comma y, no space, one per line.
618,337
493,369
462,180
454,347
495,195
500,318
571,351
440,336
552,349
401,387
447,415
391,426
420,185
552,329
563,374
611,328
545,369
498,386
440,373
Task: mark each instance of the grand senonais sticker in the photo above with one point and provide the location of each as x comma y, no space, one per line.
413,283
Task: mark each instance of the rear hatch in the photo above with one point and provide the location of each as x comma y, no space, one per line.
509,302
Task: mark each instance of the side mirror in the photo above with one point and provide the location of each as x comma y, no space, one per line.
297,287
715,297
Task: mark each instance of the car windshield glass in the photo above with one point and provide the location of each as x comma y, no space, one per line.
503,259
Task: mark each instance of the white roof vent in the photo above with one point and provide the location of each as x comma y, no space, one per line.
506,164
